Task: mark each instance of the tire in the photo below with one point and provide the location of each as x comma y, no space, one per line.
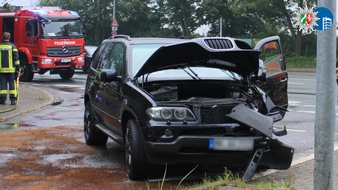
27,73
134,151
85,70
67,74
93,136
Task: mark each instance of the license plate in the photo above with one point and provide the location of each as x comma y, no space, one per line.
231,144
66,60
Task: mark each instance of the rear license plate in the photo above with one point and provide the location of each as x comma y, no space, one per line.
231,144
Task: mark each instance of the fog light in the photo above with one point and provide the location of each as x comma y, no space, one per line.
168,133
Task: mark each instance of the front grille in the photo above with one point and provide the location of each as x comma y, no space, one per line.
59,51
217,114
219,43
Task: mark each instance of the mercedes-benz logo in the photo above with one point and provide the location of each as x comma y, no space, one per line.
64,49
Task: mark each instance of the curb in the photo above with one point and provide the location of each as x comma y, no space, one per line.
31,99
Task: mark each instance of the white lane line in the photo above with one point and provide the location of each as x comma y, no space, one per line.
301,111
297,130
296,83
294,102
294,162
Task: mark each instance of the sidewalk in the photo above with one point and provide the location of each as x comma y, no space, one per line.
30,99
300,173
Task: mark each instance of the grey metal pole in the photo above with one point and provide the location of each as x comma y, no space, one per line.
220,27
325,103
113,9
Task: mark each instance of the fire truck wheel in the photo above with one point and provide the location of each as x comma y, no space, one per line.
27,73
67,74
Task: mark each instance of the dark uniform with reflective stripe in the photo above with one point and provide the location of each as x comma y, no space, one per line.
9,65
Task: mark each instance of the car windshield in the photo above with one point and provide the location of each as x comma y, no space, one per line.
62,28
192,73
90,50
141,53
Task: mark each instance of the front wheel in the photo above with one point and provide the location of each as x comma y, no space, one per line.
135,158
27,72
67,74
92,135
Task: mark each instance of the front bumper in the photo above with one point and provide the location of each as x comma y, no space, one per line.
60,62
196,150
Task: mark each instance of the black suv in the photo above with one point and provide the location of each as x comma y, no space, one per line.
171,101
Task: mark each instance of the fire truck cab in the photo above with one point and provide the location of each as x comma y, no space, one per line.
47,38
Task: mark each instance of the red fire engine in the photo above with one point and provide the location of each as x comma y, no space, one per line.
47,38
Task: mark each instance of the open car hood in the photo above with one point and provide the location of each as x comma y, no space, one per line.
216,52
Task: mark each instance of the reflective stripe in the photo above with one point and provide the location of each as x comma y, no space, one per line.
13,93
3,92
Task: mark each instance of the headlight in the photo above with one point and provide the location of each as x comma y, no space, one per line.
46,61
171,113
80,59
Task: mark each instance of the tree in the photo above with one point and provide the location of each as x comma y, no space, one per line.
279,14
183,16
238,18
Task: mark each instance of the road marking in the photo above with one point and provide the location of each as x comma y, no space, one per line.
295,162
294,102
297,130
296,83
309,106
301,111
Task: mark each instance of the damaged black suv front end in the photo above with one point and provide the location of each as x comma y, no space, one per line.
172,101
208,110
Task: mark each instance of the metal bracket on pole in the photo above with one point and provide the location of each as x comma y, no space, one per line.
251,169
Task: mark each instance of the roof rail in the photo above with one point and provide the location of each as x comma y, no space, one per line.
120,36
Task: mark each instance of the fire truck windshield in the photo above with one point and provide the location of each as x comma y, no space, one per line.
62,28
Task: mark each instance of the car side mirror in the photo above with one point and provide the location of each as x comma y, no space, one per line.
108,75
261,75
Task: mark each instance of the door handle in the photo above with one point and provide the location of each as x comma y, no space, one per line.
283,79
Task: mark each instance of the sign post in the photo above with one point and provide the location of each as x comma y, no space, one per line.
114,26
326,99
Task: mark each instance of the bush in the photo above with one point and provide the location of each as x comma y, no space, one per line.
300,62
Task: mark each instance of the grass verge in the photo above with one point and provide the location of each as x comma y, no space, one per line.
301,62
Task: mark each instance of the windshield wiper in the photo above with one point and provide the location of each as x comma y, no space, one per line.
193,75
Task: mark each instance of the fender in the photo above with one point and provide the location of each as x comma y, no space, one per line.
27,53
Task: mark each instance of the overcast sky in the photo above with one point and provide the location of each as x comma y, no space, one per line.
20,2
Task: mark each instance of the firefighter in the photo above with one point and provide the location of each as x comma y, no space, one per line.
9,68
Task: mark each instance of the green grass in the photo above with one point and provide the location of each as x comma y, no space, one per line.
231,181
301,62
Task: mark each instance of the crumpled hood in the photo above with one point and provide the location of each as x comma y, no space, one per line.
216,52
